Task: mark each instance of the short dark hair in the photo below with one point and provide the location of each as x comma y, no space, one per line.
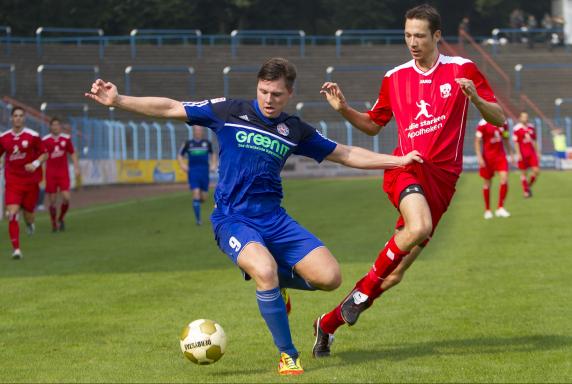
54,119
16,108
277,68
425,12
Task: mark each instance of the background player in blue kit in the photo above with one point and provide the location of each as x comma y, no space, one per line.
255,138
198,151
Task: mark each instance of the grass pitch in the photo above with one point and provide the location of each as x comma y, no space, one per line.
487,301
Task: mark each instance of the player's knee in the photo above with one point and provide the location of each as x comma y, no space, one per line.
265,274
332,280
419,231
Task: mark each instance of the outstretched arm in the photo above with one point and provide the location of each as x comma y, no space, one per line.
106,94
356,157
337,100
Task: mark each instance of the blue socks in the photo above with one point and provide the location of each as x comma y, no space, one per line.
197,209
290,279
273,310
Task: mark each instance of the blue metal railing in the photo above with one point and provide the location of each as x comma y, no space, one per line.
356,68
551,35
12,69
159,69
238,69
65,68
41,30
520,67
263,36
7,39
366,35
161,34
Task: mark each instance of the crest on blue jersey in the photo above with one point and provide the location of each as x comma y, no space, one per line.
283,129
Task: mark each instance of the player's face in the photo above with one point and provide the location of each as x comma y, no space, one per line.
421,43
56,127
18,119
197,132
523,118
272,97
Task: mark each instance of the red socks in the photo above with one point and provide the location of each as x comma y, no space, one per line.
487,197
53,214
386,262
14,231
524,183
532,180
502,194
64,209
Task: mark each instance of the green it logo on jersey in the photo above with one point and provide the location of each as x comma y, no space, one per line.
263,143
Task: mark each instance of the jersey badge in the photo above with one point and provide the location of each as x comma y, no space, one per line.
445,90
283,129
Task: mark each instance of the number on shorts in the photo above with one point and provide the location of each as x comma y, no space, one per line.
234,243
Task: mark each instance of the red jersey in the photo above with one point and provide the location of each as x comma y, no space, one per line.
58,148
524,136
430,109
492,137
21,148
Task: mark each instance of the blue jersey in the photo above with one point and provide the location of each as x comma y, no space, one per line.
197,151
253,150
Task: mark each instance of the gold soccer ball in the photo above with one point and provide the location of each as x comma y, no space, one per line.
203,341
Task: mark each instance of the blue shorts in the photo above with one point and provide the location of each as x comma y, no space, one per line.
199,178
287,241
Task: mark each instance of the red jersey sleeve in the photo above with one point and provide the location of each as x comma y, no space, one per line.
479,131
70,147
381,112
481,84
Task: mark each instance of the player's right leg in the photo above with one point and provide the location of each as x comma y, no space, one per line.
524,183
12,212
245,246
417,228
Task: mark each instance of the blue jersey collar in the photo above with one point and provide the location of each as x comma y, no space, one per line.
268,120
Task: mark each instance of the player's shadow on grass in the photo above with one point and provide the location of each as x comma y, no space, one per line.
459,347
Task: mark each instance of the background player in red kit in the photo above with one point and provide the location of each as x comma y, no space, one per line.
524,136
59,146
490,142
429,97
24,157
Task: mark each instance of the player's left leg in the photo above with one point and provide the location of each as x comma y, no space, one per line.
487,198
66,198
197,205
503,190
320,269
524,183
534,175
52,201
28,205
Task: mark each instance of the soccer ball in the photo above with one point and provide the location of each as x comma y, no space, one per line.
203,341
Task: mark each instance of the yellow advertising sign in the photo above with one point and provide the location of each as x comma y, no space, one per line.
149,171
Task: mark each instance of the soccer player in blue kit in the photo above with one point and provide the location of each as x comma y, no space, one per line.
198,151
255,139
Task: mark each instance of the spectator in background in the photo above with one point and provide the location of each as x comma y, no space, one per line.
464,26
516,21
531,24
559,141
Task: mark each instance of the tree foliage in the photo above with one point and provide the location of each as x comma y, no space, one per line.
222,16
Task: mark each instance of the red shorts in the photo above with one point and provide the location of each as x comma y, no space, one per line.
496,164
53,183
24,195
528,161
438,186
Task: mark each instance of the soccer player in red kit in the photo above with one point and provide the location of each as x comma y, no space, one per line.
524,136
490,143
429,97
22,171
59,146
